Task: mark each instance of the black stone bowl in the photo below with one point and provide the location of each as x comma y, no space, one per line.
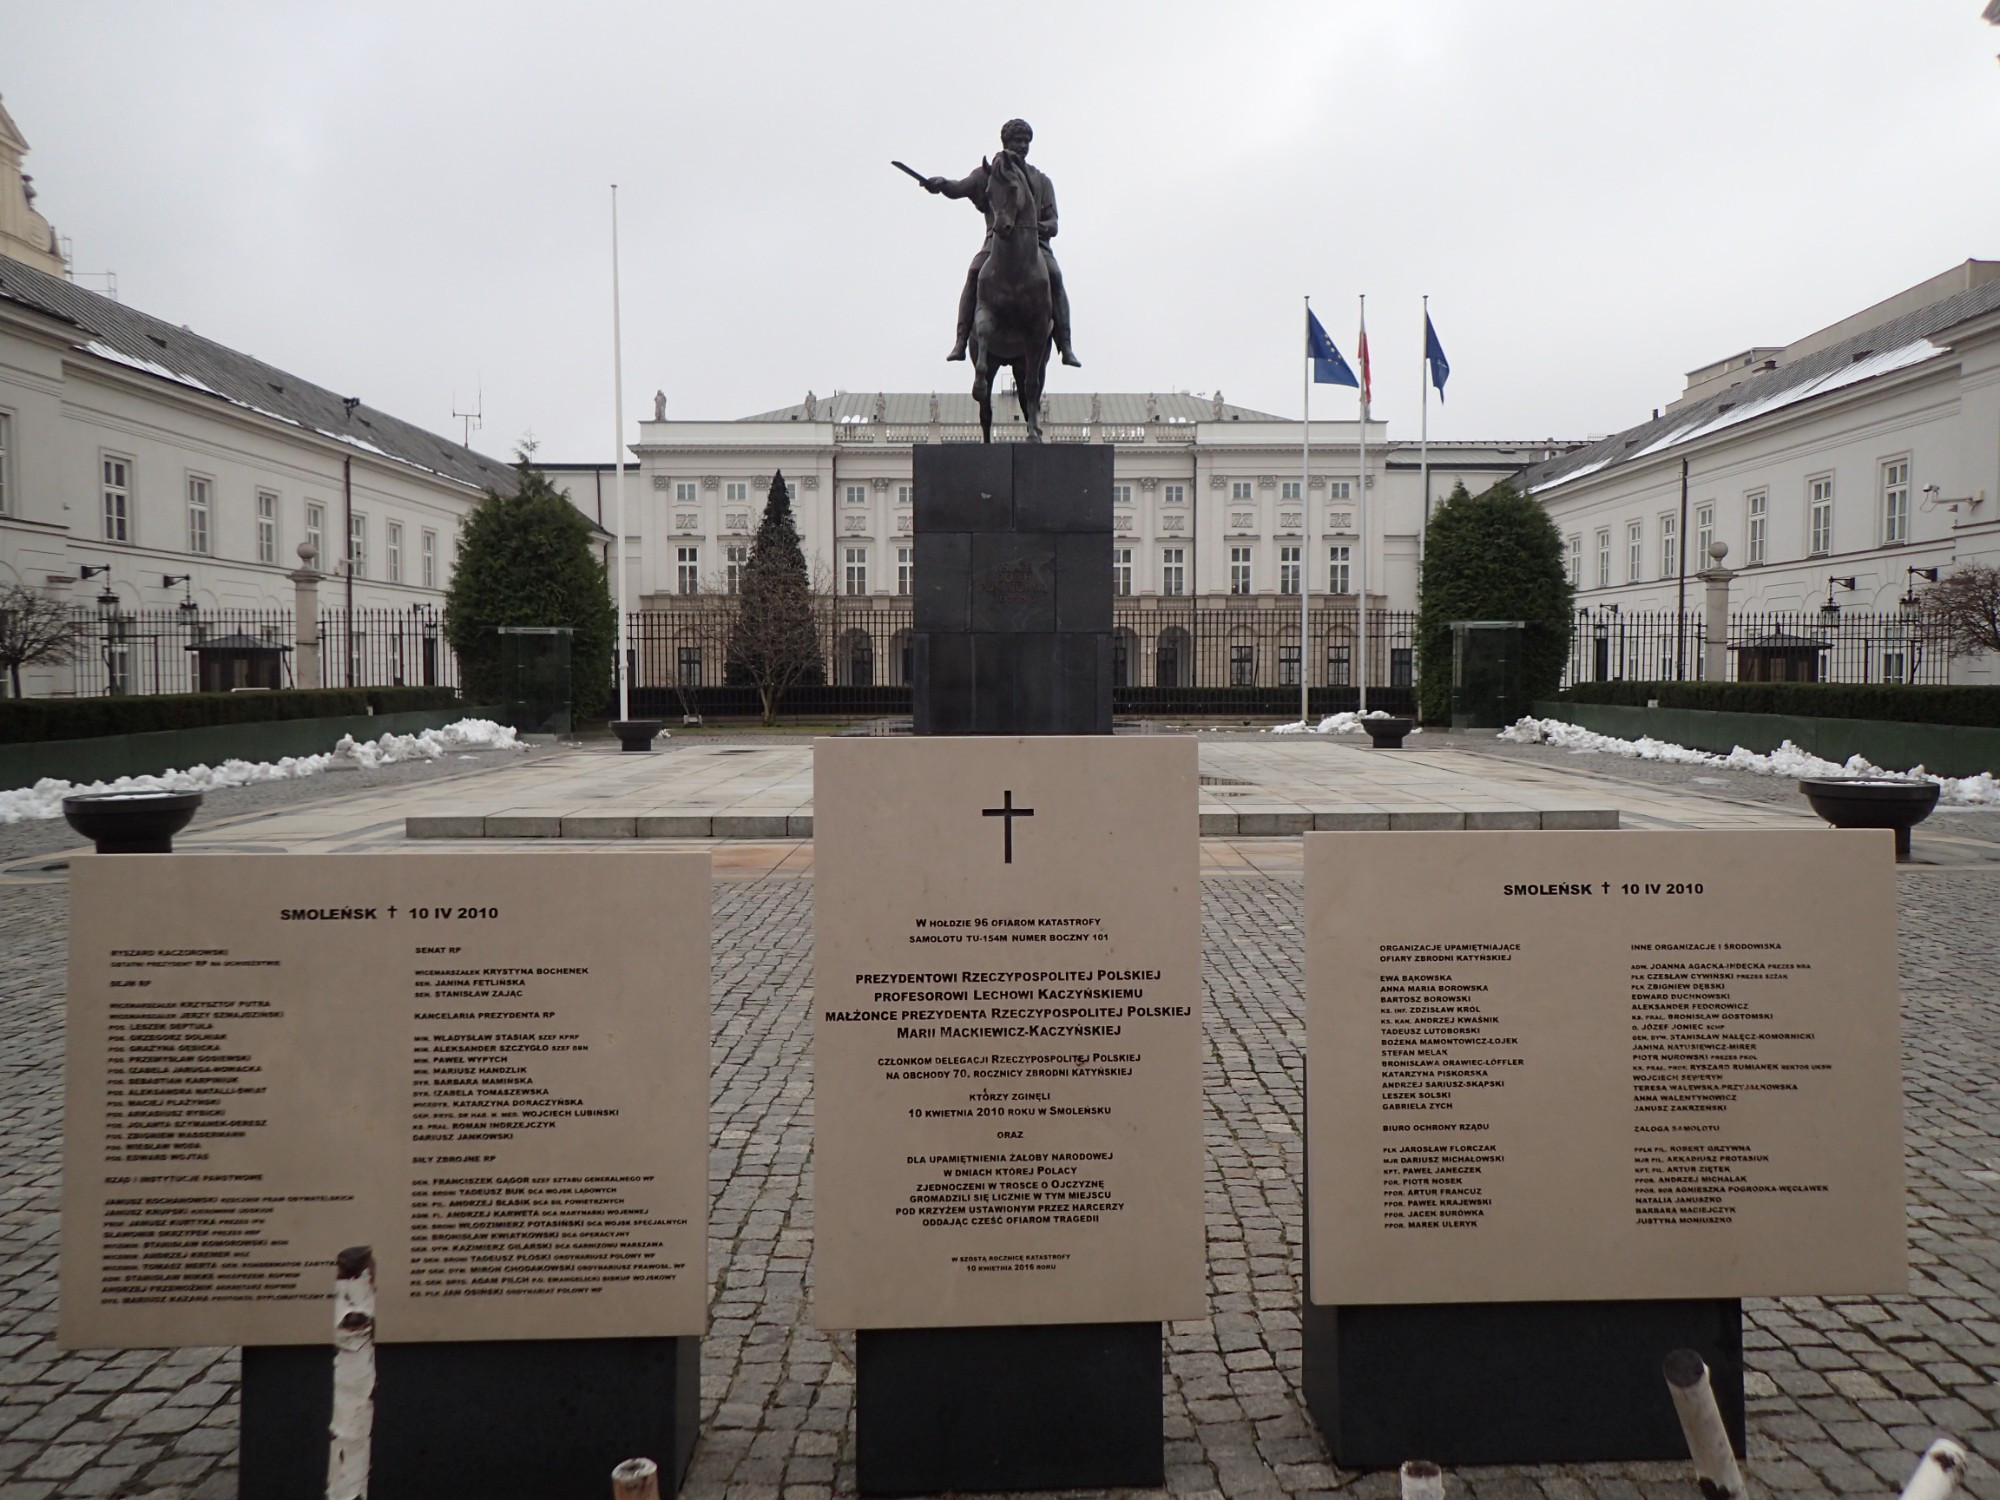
637,734
131,822
1873,802
1388,733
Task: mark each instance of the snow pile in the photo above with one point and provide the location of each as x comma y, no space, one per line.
45,798
1788,760
1346,723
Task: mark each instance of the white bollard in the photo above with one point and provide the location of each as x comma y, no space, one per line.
1422,1480
353,1428
636,1479
1701,1423
1938,1472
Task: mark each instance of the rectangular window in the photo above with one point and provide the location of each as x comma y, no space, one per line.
1173,572
1288,570
687,660
1288,666
316,532
1239,570
1604,558
1121,494
735,557
6,461
1819,515
857,494
905,494
1340,569
1576,561
1289,490
1173,494
1241,490
267,527
684,492
430,546
906,565
1757,529
1402,666
1340,489
1635,548
1242,666
357,546
1121,570
1895,502
199,492
117,500
687,570
1894,665
857,570
1704,532
737,489
1339,666
392,551
1670,546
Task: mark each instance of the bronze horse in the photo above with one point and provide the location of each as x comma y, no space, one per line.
1013,323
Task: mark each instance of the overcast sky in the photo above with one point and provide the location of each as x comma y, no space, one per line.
407,202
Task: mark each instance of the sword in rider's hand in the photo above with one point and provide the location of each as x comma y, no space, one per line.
922,180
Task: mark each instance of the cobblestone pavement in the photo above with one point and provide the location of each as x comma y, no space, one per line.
1844,1391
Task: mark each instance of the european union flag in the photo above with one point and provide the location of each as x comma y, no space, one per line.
1328,367
1440,367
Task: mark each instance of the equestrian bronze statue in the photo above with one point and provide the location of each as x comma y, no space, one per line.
1013,305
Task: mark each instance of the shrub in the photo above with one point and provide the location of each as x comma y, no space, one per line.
28,719
1978,706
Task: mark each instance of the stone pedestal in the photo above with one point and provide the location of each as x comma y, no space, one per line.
1012,627
529,1419
1012,636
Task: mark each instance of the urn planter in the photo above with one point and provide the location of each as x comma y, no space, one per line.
131,822
1387,734
637,734
1873,802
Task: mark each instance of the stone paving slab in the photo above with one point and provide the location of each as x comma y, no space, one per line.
1844,1391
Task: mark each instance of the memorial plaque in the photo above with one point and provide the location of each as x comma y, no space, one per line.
493,1068
1549,1066
1007,1032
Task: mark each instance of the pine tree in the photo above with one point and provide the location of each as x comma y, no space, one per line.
1494,556
526,558
774,642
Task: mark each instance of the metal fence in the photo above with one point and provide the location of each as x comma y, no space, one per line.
1816,645
866,643
183,650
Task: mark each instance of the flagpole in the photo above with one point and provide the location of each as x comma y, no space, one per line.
1305,518
617,458
1361,515
1424,438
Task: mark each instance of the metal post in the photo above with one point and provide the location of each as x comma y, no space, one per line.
1701,1424
1681,601
1306,528
618,458
1361,527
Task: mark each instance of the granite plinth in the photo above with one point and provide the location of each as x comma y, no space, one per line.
1012,603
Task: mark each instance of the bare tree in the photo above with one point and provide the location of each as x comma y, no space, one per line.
36,629
1966,602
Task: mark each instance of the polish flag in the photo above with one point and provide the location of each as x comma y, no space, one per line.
1367,380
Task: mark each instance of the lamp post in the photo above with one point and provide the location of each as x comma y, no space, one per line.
112,616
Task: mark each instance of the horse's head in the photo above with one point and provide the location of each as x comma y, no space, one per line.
1009,192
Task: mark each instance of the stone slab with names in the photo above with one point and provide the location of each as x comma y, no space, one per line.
493,1068
1582,1065
1007,1039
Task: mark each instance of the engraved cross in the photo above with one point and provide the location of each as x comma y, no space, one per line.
1010,812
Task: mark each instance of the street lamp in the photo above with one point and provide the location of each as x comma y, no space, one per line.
1830,609
1910,588
108,612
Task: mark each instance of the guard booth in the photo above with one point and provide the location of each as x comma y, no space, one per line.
232,662
535,674
1778,657
1486,673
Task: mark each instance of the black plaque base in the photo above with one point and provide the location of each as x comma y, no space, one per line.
529,1419
1011,627
1062,1406
1513,1382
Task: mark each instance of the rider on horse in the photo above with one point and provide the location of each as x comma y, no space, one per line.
1014,138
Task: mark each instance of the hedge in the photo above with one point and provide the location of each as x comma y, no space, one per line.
1975,705
23,720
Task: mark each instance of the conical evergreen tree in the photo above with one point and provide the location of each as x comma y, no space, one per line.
526,558
774,644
